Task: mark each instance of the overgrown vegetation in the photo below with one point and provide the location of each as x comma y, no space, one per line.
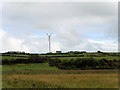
60,81
31,59
65,70
85,63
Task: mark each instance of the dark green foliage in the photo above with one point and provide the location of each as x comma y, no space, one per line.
37,59
85,63
79,63
54,62
31,59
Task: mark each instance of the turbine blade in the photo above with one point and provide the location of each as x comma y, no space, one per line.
50,34
47,34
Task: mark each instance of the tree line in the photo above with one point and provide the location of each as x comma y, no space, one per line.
30,59
85,63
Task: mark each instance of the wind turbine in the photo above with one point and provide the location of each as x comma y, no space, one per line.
49,36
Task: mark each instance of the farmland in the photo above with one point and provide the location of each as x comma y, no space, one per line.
43,66
39,74
60,81
67,56
96,58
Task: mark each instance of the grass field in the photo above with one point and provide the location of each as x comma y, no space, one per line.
14,56
41,75
96,58
10,58
86,80
64,58
41,66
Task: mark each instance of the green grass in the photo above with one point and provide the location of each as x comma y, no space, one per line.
43,76
96,58
10,58
21,67
19,55
107,57
66,58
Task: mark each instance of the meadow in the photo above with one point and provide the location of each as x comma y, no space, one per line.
96,58
60,80
42,75
21,67
65,56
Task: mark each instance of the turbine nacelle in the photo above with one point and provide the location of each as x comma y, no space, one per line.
49,35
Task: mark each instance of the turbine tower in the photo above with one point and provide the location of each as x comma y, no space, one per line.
49,36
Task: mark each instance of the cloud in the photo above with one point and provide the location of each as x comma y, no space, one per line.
77,26
40,44
107,45
43,26
9,43
56,46
2,33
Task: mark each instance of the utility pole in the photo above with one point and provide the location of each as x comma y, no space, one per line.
49,36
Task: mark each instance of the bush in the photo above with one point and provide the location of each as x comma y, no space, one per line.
31,59
54,62
84,63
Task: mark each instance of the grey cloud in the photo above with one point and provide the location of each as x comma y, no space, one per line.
44,26
54,11
66,20
69,37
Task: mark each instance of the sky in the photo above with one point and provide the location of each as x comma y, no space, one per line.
75,26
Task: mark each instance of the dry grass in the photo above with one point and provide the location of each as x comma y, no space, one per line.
115,71
61,80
